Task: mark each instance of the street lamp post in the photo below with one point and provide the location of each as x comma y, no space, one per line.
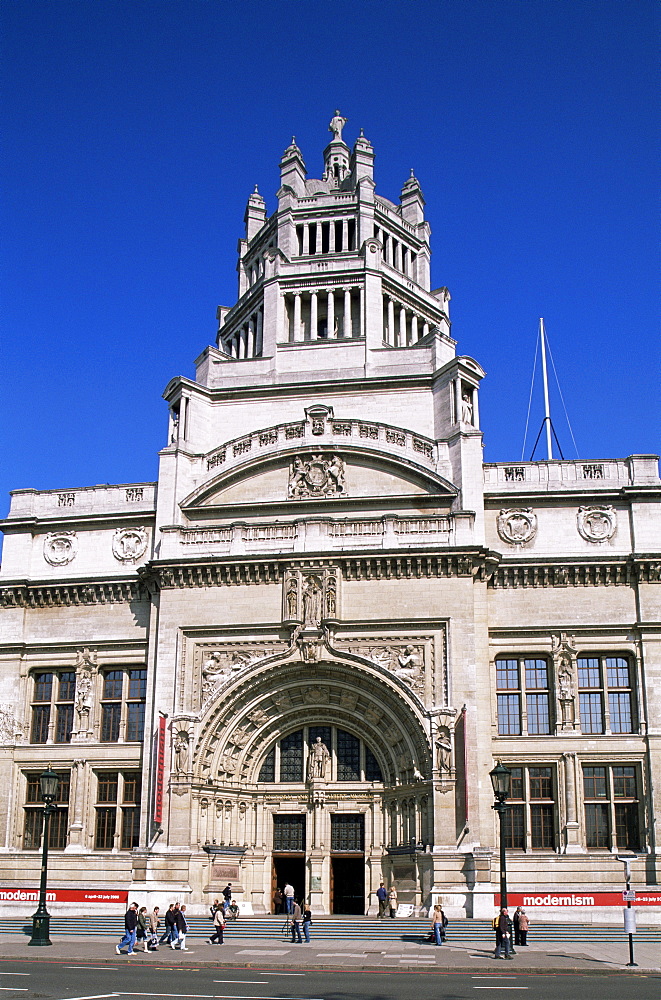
501,777
49,786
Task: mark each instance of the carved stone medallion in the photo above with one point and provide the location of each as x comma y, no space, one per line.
316,476
596,524
129,544
517,525
60,547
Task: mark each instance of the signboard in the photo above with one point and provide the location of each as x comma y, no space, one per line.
245,909
554,898
629,921
160,772
315,883
64,896
404,910
629,896
222,872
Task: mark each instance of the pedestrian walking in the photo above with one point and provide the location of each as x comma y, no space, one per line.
130,927
296,916
524,924
438,924
288,893
218,927
382,896
154,924
141,929
181,928
307,920
503,927
392,901
168,921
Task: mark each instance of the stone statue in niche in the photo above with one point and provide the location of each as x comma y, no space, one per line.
466,408
444,749
312,595
292,598
181,751
318,758
84,692
331,598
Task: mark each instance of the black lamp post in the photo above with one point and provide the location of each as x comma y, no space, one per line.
49,786
501,777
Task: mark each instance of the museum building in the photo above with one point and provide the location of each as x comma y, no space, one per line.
298,655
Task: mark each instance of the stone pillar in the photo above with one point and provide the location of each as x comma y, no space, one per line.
572,844
296,332
414,328
347,324
259,337
425,328
306,238
331,315
345,235
361,313
476,412
76,843
250,352
401,340
457,400
313,315
392,337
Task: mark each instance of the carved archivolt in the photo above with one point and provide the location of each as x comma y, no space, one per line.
60,547
517,525
596,523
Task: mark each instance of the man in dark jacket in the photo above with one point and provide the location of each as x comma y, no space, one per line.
503,934
169,920
382,896
130,927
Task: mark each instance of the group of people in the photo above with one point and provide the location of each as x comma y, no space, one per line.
507,928
387,899
142,927
283,899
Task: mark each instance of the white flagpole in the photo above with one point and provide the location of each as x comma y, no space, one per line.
547,410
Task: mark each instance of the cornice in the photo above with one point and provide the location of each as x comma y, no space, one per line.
69,593
581,572
52,522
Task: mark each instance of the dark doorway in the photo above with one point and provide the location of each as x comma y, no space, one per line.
348,885
289,868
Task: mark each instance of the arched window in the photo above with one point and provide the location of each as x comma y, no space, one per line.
350,759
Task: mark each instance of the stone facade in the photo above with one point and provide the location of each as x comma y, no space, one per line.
333,613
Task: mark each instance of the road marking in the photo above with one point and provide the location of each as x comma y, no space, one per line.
242,982
495,974
95,996
84,968
501,987
283,973
20,989
15,973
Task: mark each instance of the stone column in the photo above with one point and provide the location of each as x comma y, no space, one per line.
250,352
402,327
425,328
297,317
347,325
345,235
259,337
571,845
457,400
331,314
76,843
414,328
392,336
313,315
306,238
361,314
476,412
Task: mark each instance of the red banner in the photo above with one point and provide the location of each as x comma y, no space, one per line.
64,896
160,772
581,898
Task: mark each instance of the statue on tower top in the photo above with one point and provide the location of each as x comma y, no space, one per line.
337,123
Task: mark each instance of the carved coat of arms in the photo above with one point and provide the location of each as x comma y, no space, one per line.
316,476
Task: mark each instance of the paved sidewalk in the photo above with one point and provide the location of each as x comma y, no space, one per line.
458,954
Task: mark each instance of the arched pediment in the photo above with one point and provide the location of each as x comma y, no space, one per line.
270,700
319,473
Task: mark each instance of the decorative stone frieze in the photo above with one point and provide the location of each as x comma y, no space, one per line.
60,547
579,574
597,523
129,544
517,525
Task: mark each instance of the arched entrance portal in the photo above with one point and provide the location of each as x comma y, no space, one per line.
317,775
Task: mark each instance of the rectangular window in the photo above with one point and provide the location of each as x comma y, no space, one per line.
289,833
529,678
118,809
530,819
611,807
135,721
64,723
348,757
43,687
348,832
112,685
67,686
40,723
124,694
58,828
605,683
111,714
104,839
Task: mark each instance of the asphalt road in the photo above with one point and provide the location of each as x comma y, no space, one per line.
48,980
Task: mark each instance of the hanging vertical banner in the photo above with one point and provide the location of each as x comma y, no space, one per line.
160,771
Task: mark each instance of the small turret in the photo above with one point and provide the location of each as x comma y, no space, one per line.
292,169
336,153
362,160
255,216
413,210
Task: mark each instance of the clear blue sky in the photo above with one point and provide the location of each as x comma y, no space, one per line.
134,132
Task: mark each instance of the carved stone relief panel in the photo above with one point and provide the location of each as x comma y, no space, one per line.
11,728
411,659
564,664
60,547
215,664
129,544
597,523
316,476
310,594
517,525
